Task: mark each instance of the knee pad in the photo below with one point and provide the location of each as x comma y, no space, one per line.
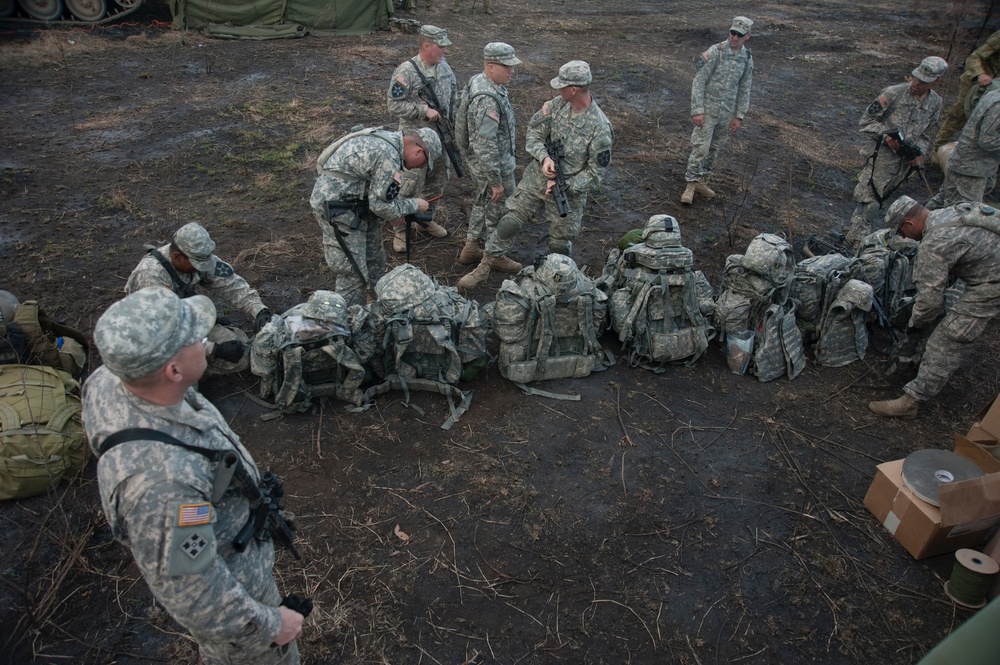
507,227
564,247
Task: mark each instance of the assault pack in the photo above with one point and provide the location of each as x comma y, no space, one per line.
887,264
843,333
306,353
654,298
549,318
815,280
421,335
30,337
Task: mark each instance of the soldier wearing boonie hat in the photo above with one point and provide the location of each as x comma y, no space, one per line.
574,120
161,499
720,99
899,126
188,265
424,81
489,124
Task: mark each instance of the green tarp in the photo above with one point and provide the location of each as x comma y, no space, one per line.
273,19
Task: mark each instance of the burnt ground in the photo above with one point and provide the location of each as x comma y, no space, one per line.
690,517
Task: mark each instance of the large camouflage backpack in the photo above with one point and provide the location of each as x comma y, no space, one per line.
887,264
654,301
462,116
777,344
30,337
549,318
842,333
41,438
421,335
753,281
814,279
306,353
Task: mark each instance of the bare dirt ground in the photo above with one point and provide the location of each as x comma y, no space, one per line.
690,517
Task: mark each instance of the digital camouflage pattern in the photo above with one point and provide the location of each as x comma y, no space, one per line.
587,139
952,247
367,168
972,167
720,91
157,499
843,334
984,60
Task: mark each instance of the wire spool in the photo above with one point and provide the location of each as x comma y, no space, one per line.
971,577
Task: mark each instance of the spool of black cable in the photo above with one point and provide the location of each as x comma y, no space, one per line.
971,577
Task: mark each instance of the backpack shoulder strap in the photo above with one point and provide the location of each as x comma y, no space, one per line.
186,290
147,434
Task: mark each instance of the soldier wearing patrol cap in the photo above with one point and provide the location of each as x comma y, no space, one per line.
407,100
900,126
489,121
187,265
960,242
575,120
159,488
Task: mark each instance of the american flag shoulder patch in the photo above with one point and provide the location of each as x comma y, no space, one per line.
493,115
546,108
193,514
398,177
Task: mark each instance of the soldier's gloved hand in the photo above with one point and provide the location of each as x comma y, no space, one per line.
231,351
262,319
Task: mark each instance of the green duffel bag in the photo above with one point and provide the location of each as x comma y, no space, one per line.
41,437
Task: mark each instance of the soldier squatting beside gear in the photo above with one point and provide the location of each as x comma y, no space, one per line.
959,242
980,68
574,119
489,127
900,123
359,182
187,265
972,167
164,490
720,98
423,94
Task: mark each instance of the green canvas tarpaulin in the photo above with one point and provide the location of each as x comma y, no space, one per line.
272,19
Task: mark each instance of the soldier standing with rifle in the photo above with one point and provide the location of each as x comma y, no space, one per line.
900,124
423,93
180,489
574,126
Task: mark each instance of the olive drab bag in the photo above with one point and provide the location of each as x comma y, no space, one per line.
654,298
306,353
32,338
549,318
421,335
41,438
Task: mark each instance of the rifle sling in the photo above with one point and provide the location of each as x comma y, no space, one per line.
187,290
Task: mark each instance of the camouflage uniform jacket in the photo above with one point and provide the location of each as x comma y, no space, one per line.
491,131
404,100
969,253
896,108
978,151
223,282
364,168
156,497
721,86
984,60
586,138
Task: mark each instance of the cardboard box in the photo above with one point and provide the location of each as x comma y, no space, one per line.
987,425
969,509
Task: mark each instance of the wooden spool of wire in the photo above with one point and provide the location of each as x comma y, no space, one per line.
971,577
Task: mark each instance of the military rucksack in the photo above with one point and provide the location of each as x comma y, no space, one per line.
654,300
777,344
32,338
306,353
421,335
41,438
842,333
886,262
813,279
461,125
549,318
753,281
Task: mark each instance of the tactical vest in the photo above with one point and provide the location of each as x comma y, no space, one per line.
813,280
843,335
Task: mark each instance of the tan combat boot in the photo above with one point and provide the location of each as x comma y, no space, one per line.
435,229
687,198
477,276
904,406
702,189
504,264
471,253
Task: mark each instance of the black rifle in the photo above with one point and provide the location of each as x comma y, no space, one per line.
421,218
445,128
359,208
908,150
557,154
836,243
265,521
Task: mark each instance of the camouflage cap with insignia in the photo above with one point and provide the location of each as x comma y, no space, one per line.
897,211
502,53
193,240
574,72
142,332
437,35
433,144
930,69
742,25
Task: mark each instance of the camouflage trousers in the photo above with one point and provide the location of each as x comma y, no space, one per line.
957,188
955,120
885,173
943,353
367,249
485,213
706,141
521,208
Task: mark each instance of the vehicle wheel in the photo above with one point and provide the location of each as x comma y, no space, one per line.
87,10
43,10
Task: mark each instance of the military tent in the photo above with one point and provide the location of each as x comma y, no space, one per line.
274,19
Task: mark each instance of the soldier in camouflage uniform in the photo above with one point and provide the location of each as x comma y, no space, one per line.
912,109
972,167
980,68
187,265
586,134
490,156
958,242
427,68
366,171
159,498
720,98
